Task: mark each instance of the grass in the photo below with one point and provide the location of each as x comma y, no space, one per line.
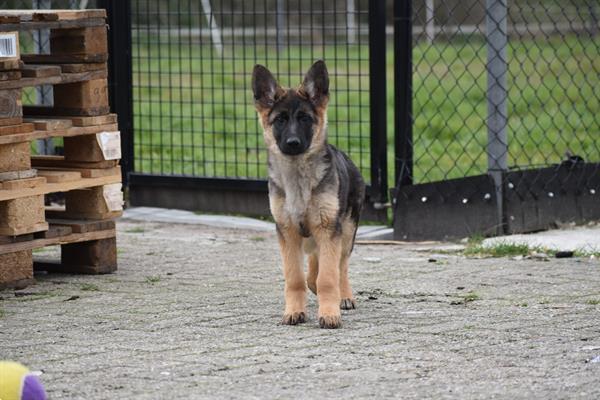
135,230
476,248
40,295
192,119
152,279
593,302
500,250
587,253
89,287
466,298
471,296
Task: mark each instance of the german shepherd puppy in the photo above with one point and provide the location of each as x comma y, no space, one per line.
315,193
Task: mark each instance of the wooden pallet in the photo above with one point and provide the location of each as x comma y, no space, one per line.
87,247
20,20
88,174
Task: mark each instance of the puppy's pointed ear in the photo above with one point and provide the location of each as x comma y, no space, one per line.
264,86
316,84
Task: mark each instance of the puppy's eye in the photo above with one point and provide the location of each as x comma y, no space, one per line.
305,118
281,119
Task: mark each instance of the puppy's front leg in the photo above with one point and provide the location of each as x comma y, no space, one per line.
328,281
290,243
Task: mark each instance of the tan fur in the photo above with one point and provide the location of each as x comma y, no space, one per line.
313,272
319,136
298,208
290,243
328,256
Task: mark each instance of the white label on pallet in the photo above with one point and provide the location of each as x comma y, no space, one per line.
110,144
8,45
113,196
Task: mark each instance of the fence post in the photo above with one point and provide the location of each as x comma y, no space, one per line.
430,20
403,92
497,94
378,104
120,76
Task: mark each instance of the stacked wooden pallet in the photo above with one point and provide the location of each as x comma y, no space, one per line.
88,172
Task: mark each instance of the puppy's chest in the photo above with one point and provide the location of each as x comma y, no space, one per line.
298,183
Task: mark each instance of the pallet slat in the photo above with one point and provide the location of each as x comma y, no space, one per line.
87,172
22,183
45,242
59,162
16,129
40,71
13,175
63,78
73,131
49,124
59,187
26,15
64,24
56,176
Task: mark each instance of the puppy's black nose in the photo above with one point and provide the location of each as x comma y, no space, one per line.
293,142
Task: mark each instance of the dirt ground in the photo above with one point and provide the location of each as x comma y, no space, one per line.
194,311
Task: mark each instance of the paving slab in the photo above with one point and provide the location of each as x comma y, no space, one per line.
193,312
573,238
154,214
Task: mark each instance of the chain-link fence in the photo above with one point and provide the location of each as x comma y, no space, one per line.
507,90
549,98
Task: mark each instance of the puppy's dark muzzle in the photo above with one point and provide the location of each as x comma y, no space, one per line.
292,146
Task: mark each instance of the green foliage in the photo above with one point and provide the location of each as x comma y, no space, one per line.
152,279
552,105
89,287
499,250
138,229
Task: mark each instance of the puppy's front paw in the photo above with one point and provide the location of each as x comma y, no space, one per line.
294,318
330,321
347,304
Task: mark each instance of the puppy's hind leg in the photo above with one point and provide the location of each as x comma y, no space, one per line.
347,302
313,272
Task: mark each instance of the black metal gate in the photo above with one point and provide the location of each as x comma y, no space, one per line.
495,104
196,140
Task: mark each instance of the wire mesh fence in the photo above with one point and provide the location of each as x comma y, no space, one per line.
192,65
552,58
495,87
505,128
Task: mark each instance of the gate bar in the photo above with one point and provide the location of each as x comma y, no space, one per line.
377,97
497,94
403,144
120,76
